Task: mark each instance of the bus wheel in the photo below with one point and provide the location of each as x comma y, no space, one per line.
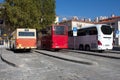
80,47
43,47
87,48
101,51
13,48
56,49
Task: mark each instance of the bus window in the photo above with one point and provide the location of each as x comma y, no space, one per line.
93,31
81,32
87,31
26,33
106,29
59,30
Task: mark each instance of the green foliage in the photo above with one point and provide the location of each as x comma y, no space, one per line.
29,13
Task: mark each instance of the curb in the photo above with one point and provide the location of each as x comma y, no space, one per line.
15,61
67,57
8,62
98,54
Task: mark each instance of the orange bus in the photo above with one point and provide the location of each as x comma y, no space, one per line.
23,38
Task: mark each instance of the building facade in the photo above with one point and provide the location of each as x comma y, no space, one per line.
75,23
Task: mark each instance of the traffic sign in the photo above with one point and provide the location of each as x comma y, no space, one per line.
74,31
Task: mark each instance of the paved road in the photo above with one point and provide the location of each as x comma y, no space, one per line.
37,66
109,60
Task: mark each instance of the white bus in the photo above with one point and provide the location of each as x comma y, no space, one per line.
96,37
23,38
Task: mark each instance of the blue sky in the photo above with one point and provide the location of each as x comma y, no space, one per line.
1,1
87,8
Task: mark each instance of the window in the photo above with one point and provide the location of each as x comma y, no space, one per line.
87,31
26,34
81,32
93,31
106,29
59,30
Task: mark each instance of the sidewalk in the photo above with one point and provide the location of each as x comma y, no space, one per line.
15,60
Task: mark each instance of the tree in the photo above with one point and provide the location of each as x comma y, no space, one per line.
29,13
48,11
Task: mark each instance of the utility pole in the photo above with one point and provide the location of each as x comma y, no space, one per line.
74,35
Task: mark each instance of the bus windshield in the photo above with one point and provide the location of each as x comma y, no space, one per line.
106,29
26,34
59,30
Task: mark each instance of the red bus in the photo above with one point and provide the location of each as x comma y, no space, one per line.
54,37
23,38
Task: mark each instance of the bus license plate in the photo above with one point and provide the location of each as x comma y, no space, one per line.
106,45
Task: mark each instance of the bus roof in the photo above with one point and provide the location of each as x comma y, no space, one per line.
96,25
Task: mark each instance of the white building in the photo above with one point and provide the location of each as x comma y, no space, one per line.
76,23
56,20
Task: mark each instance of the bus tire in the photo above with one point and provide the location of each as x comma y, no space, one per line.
87,48
56,49
44,47
101,51
13,48
10,46
81,47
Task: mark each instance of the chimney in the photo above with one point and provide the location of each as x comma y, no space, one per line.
112,15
